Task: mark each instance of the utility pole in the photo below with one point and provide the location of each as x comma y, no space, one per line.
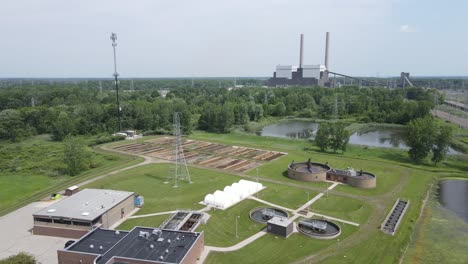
113,37
237,222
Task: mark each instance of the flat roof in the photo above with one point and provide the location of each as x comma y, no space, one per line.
97,241
280,221
85,205
171,245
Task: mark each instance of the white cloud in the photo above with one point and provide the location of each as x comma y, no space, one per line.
406,29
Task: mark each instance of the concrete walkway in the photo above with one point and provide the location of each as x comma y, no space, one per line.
153,214
306,205
337,219
318,196
271,204
237,246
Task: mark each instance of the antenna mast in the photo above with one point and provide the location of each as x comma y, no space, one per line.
180,169
113,37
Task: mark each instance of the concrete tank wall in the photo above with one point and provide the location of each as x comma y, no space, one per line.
305,175
363,182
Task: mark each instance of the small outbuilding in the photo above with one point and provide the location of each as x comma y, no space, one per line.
72,190
280,226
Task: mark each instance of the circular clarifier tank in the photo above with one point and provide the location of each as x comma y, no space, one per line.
263,215
308,171
319,228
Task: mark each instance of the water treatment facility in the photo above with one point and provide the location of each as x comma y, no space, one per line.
317,172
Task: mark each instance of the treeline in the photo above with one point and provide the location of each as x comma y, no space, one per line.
69,110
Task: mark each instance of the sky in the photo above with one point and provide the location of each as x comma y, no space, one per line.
241,38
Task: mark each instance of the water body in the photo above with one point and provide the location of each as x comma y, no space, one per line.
386,138
453,195
379,137
290,129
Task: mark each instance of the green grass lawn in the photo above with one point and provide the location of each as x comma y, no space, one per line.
284,195
149,181
274,249
342,207
150,221
220,230
31,170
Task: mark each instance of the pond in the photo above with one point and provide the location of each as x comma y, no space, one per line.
453,195
386,138
378,137
290,129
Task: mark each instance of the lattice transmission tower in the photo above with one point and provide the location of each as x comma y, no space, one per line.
180,170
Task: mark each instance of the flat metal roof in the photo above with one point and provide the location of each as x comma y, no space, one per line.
85,205
280,221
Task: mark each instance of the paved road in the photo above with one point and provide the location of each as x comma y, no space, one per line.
16,236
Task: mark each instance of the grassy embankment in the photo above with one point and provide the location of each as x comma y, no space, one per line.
31,170
440,237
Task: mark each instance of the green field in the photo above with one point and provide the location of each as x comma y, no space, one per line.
31,170
285,196
149,181
153,221
220,230
343,208
274,249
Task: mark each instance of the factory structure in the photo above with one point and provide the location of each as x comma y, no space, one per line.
80,213
286,75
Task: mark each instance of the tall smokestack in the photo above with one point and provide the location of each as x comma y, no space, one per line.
301,51
327,44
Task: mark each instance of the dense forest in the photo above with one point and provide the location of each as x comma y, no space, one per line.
70,109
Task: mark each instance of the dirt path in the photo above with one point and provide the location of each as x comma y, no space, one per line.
147,160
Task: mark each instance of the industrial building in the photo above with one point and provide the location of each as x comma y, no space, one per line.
76,215
141,245
303,74
281,226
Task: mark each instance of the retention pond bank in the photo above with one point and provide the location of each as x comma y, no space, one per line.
453,195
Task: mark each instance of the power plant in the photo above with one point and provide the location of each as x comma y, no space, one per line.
316,74
320,74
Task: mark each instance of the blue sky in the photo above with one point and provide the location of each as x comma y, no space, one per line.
55,38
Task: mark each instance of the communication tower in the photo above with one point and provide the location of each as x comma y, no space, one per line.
180,169
113,37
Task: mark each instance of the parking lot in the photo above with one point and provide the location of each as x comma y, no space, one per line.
15,235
